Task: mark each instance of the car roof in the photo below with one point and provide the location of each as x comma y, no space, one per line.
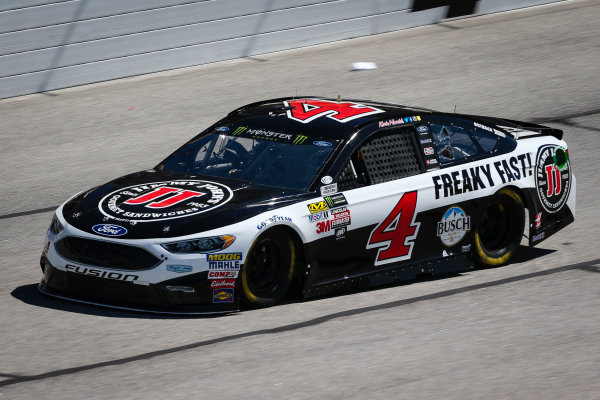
273,114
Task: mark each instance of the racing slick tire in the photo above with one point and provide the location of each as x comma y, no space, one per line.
269,269
500,228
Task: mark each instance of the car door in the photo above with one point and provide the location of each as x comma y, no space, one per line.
381,206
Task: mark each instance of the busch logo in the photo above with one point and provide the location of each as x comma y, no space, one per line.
454,226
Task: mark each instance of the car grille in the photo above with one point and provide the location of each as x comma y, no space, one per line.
106,254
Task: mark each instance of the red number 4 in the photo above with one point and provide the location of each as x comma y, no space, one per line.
396,234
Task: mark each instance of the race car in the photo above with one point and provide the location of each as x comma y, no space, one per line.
318,194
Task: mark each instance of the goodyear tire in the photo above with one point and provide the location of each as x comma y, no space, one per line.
500,229
269,269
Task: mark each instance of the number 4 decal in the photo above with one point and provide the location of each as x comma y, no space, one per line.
396,234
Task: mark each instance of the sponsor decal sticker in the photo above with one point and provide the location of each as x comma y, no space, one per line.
299,139
328,189
422,129
270,220
223,295
326,180
538,237
432,161
307,110
98,273
552,177
453,226
391,122
484,127
336,200
466,249
538,220
480,176
179,268
222,283
340,233
221,129
223,274
224,261
324,226
109,230
239,130
428,151
159,201
320,216
317,207
425,141
322,143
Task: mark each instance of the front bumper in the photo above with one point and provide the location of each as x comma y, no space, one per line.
153,298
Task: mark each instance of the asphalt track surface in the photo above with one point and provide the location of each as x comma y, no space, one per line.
528,330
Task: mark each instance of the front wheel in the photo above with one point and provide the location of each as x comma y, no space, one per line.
269,268
500,229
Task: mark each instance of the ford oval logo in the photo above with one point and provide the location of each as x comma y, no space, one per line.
422,129
109,230
321,143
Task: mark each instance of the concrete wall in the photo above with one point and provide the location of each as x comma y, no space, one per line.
52,44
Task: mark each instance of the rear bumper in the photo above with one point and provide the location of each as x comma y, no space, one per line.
153,298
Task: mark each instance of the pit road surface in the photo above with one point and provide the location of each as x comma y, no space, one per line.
528,330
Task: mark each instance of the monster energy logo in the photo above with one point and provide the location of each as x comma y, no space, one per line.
300,139
239,130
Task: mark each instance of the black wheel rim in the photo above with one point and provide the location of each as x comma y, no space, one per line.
495,226
264,268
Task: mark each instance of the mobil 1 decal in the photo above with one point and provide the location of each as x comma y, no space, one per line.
307,110
160,201
552,177
482,176
396,234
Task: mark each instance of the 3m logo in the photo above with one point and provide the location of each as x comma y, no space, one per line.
307,110
176,196
323,227
317,207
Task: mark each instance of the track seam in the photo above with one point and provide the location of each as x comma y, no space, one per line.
298,325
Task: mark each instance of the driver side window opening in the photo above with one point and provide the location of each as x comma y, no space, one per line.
385,156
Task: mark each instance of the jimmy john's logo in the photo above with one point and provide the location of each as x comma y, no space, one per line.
159,201
552,177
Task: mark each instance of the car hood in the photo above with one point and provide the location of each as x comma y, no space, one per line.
153,204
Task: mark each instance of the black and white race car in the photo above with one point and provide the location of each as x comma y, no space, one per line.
330,195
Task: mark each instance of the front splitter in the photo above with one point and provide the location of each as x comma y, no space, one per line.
125,308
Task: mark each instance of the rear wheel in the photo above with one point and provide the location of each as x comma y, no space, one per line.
269,268
499,232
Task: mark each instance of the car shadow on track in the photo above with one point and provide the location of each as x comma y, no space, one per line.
30,295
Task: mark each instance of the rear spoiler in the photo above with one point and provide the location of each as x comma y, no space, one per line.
519,129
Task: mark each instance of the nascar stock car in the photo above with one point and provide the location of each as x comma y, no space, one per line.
322,194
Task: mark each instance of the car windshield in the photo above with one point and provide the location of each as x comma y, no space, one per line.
255,155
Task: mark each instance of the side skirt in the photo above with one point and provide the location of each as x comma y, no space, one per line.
394,273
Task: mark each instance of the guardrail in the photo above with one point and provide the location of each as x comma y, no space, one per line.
53,44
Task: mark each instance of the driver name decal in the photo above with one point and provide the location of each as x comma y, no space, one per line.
307,110
159,201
